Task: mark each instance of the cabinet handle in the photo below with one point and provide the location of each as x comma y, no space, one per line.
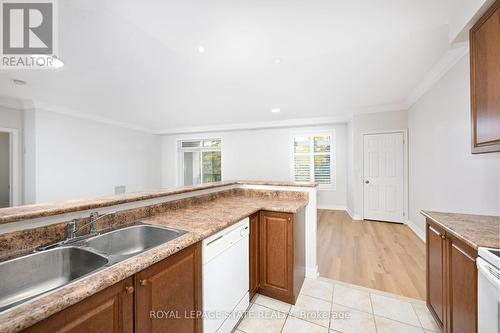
129,290
143,282
443,236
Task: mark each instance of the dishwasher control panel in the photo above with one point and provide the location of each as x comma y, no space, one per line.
219,242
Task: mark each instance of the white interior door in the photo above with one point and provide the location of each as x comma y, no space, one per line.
383,172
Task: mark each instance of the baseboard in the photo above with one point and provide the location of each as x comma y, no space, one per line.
419,232
332,207
312,273
352,215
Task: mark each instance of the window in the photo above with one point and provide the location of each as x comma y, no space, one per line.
313,159
200,161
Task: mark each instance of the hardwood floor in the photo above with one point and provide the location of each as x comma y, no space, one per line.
378,255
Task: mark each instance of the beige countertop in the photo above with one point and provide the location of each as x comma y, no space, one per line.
474,230
200,219
18,213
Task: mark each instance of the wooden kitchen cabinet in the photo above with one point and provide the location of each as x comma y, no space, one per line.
254,255
485,81
282,266
436,272
462,287
172,290
451,281
109,311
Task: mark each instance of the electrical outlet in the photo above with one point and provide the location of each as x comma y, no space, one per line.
120,189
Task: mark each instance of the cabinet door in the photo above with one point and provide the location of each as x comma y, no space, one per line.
254,254
109,311
168,294
436,273
462,288
276,256
485,81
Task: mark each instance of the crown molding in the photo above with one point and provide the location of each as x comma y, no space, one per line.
11,103
381,108
255,125
443,66
77,114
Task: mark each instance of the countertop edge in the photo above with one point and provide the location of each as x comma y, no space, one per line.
447,228
70,206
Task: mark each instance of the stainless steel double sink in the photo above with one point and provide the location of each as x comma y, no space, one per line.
29,276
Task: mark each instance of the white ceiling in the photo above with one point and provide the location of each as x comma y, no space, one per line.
137,62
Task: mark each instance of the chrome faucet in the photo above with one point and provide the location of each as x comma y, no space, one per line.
94,217
72,231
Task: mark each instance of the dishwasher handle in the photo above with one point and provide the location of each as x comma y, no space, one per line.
214,240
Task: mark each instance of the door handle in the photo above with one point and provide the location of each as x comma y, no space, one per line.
367,182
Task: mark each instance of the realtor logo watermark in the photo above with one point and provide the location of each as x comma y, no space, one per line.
28,34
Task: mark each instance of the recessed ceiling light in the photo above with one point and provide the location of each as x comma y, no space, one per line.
19,82
201,49
277,61
275,110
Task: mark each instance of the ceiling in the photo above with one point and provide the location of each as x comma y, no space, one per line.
137,62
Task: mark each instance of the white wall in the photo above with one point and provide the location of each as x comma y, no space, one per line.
264,154
444,175
4,169
358,126
78,158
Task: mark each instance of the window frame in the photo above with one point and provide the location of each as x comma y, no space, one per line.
332,154
180,157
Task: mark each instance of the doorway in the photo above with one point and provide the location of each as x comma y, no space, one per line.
9,167
5,170
384,177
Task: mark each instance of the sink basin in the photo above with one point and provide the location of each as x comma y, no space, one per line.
132,240
29,276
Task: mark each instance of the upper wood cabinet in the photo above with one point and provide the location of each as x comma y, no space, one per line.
172,287
485,81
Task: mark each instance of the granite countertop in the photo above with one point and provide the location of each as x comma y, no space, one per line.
14,214
474,230
201,220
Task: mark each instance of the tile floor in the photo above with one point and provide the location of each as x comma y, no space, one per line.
328,306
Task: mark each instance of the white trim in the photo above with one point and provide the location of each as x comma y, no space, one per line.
11,103
405,167
14,165
443,66
380,108
82,115
312,273
332,207
419,232
256,125
353,216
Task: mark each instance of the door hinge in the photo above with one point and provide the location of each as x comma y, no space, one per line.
404,214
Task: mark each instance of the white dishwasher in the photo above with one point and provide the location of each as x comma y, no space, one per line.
225,278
